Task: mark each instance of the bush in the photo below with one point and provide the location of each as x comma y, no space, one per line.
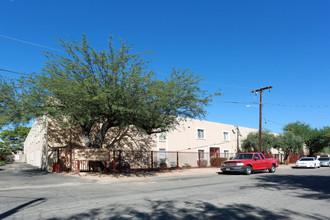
173,164
214,162
2,162
10,158
163,165
203,163
186,165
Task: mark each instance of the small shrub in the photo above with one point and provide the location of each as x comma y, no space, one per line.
163,165
186,165
173,164
214,162
10,158
203,163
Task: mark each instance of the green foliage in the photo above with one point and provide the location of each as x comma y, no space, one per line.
289,143
326,150
319,140
112,87
4,151
251,143
315,139
8,102
217,161
299,128
163,164
13,140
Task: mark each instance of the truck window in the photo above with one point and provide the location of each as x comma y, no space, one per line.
244,156
262,156
257,155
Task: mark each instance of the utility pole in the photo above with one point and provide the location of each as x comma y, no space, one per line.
237,144
260,111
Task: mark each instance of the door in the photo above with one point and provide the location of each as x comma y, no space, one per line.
214,152
257,162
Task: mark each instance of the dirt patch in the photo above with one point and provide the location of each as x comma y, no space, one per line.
141,175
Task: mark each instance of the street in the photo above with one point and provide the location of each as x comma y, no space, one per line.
289,193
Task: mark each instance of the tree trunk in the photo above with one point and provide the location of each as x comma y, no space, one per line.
286,155
86,129
99,138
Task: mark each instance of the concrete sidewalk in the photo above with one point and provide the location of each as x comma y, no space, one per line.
23,175
119,177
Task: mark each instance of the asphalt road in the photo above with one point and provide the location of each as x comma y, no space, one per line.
26,193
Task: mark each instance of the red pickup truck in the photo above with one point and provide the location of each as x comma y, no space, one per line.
248,162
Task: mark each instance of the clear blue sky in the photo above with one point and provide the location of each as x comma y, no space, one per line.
238,46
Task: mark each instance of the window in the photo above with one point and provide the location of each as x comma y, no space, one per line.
201,154
162,155
225,136
226,153
243,156
257,155
200,134
162,136
214,152
262,156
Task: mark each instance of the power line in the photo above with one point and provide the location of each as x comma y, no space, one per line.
234,102
266,120
299,106
27,42
9,71
281,105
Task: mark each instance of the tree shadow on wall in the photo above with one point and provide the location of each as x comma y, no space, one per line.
127,138
186,210
316,187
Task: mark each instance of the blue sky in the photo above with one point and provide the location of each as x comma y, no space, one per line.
238,46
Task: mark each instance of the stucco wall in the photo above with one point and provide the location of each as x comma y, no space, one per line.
34,144
185,138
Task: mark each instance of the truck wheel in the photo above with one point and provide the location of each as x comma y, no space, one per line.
272,169
248,170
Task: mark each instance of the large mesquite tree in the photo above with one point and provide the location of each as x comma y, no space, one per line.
111,88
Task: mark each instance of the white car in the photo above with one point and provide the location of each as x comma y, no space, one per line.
308,162
325,161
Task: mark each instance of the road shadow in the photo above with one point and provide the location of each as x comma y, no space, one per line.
33,172
23,169
315,187
187,210
18,208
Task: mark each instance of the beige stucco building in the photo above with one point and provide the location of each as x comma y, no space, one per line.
190,136
193,135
